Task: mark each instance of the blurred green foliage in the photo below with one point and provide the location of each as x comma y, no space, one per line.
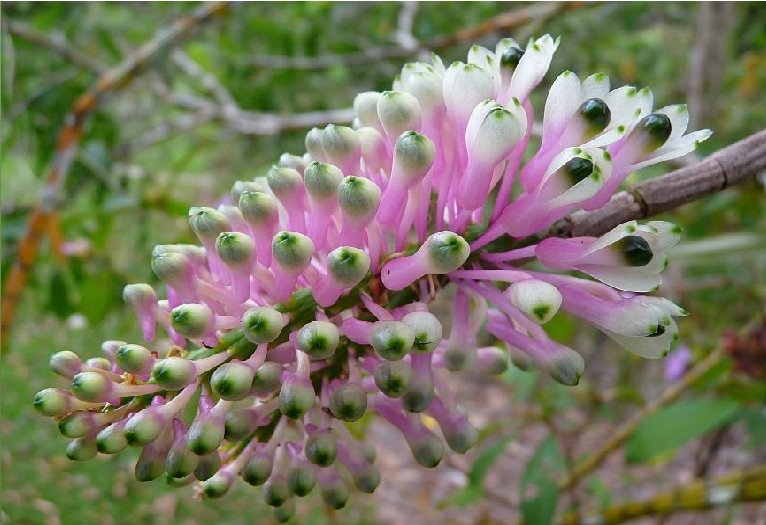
121,198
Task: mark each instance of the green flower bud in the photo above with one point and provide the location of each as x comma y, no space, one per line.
258,208
369,452
267,378
393,378
520,360
566,366
65,363
170,266
258,469
286,160
205,435
445,252
460,436
275,491
144,427
322,180
321,449
318,339
413,155
366,479
53,402
112,440
102,363
285,511
240,423
235,249
349,402
366,108
241,186
538,300
91,386
284,182
335,493
134,358
232,381
173,373
494,361
81,449
78,424
398,112
392,339
207,223
348,265
340,144
151,461
359,198
428,450
457,357
296,398
208,465
181,461
218,485
192,320
419,393
139,294
301,480
292,250
314,144
427,329
262,324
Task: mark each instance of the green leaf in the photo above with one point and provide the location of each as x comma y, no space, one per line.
539,491
676,424
474,490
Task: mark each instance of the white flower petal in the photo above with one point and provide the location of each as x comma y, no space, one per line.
613,235
465,85
627,278
564,97
678,148
648,347
532,66
668,234
679,120
502,45
595,86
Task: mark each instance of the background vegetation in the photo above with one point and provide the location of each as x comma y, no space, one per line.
166,142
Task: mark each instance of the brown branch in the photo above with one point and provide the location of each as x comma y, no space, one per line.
42,218
501,22
729,166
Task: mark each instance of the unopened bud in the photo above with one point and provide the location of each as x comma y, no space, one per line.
348,265
335,492
427,450
242,186
208,465
537,299
258,469
359,198
341,146
322,180
292,250
235,249
301,480
206,434
314,144
192,320
181,461
493,360
398,112
240,423
318,339
286,160
232,381
419,394
134,359
446,251
460,435
296,398
91,386
413,156
65,363
321,449
218,485
366,108
173,373
349,402
275,491
258,208
111,439
427,330
81,449
392,339
54,402
284,512
78,424
207,223
267,378
144,427
262,324
566,366
393,378
284,182
366,479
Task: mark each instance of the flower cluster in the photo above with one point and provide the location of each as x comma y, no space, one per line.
308,303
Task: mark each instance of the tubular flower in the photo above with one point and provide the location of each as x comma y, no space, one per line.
309,302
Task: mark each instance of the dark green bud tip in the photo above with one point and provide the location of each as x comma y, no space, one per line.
427,329
358,197
322,180
267,378
258,208
578,169
232,381
262,324
81,449
367,479
295,399
511,57
173,373
635,250
461,436
207,223
192,320
292,250
91,386
596,113
318,339
658,127
218,485
392,339
258,469
275,491
134,358
428,451
284,512
240,423
207,466
77,425
566,367
419,394
335,493
446,251
65,363
53,402
181,461
144,427
393,378
301,480
348,265
205,435
321,449
656,331
111,440
349,402
235,249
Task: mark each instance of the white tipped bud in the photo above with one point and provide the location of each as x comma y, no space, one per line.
348,265
537,299
314,144
207,223
286,160
445,251
235,249
292,250
366,108
427,329
398,112
262,324
65,363
173,373
359,198
341,146
318,339
241,186
232,381
192,320
413,156
464,86
139,295
322,180
424,83
284,182
134,358
258,208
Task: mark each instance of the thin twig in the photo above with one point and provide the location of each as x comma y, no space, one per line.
43,216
